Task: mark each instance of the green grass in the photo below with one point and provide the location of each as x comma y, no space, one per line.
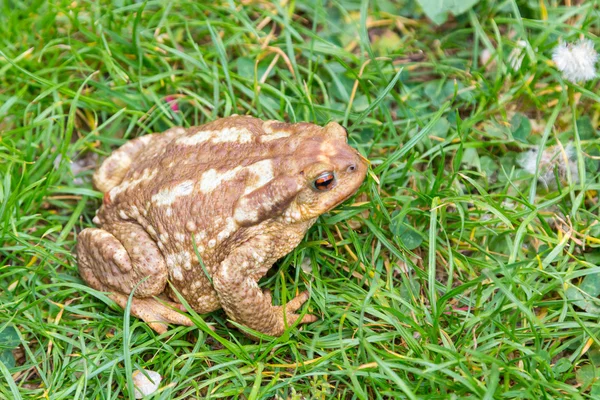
451,274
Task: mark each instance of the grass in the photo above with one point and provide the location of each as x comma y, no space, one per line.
451,274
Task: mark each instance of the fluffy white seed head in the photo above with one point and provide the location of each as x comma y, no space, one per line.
555,160
577,60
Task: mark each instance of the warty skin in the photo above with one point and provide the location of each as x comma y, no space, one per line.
244,190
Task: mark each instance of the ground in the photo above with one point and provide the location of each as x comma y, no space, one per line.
460,269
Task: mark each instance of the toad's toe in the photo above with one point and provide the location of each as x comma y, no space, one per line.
154,312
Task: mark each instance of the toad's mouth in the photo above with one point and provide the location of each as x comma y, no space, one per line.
347,197
343,199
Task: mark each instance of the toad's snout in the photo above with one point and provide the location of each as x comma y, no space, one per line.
353,164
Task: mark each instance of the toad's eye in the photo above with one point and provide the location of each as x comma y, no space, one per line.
324,182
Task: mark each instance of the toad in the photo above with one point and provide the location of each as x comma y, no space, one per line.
210,209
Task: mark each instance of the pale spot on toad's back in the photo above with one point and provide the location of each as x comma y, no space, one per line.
196,138
180,237
212,179
260,173
232,135
270,134
169,195
267,126
274,136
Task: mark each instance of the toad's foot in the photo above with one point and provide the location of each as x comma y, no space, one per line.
154,312
280,320
292,306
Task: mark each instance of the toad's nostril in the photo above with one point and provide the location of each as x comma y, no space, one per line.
351,168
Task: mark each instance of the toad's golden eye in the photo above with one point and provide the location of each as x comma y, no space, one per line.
324,182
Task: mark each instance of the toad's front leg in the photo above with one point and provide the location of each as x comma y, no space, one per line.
245,303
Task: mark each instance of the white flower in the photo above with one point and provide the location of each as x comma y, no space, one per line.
554,158
143,385
576,61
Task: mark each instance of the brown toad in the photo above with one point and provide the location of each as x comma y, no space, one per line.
243,190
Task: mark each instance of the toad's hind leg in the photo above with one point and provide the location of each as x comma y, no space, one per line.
117,261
